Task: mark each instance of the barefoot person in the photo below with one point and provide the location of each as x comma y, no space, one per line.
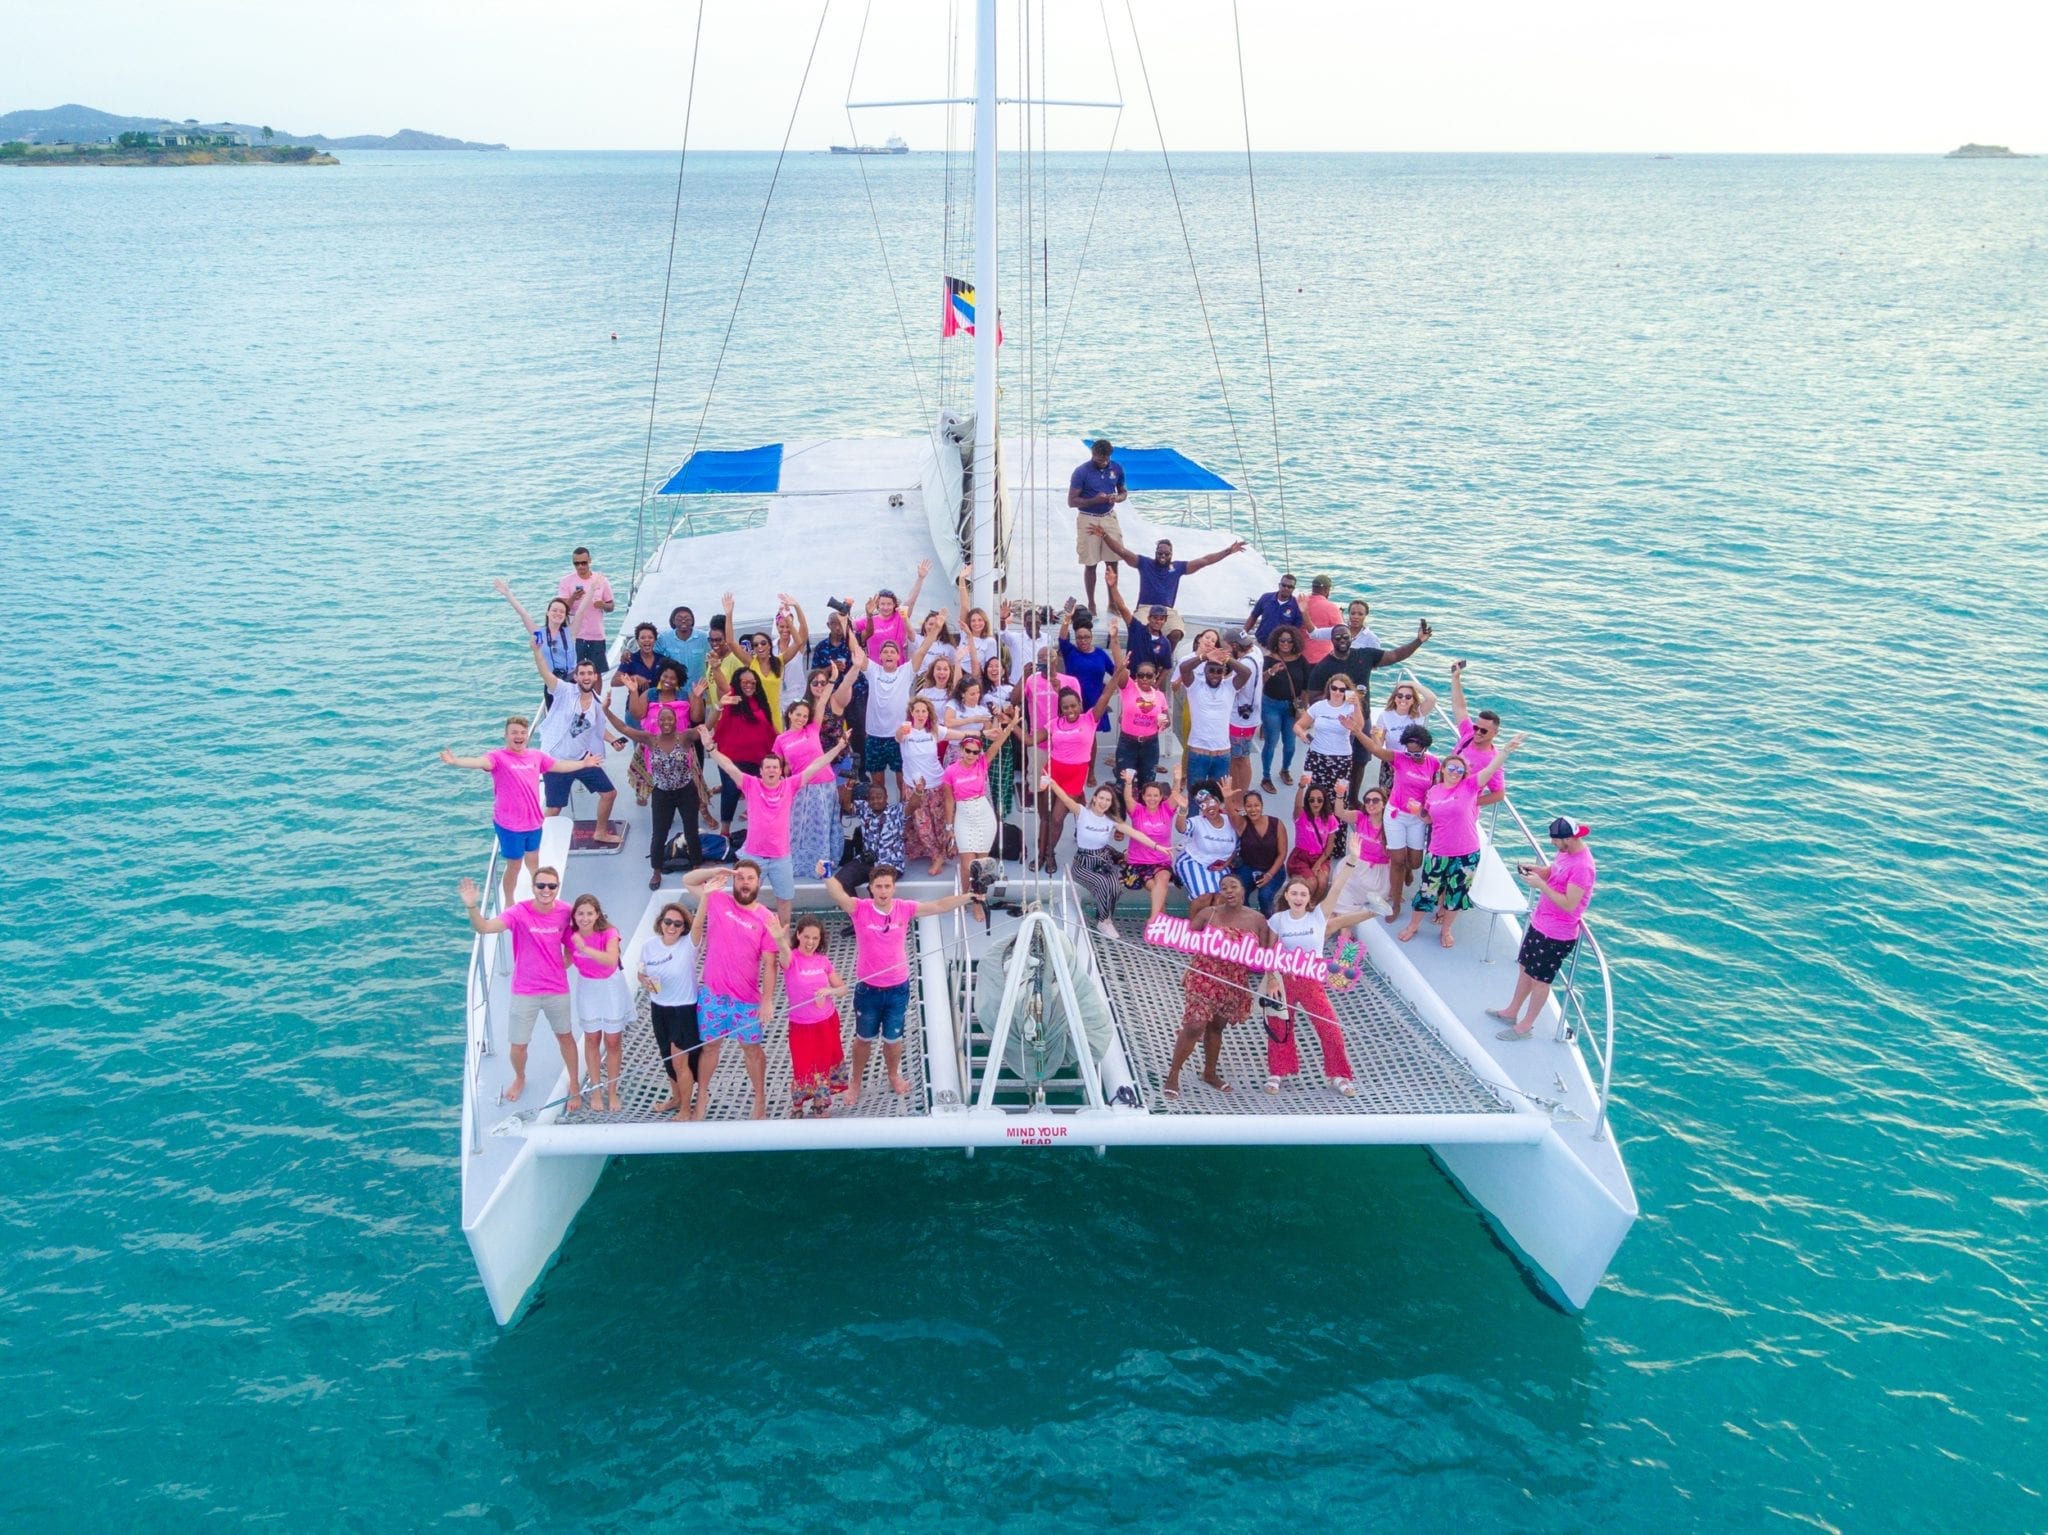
741,941
817,1058
515,797
881,970
1300,924
574,727
963,789
540,973
1452,806
771,800
1218,990
668,974
1413,769
1563,889
603,1000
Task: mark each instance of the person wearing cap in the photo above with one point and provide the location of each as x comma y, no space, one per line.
1095,490
1319,612
1159,577
1563,889
1151,640
1244,709
1274,609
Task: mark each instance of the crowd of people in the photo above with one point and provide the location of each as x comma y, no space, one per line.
896,736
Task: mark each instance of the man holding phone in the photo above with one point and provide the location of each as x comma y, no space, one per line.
597,601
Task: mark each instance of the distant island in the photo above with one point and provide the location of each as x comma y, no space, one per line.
1984,152
72,124
141,149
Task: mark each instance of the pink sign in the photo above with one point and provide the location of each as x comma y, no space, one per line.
1238,948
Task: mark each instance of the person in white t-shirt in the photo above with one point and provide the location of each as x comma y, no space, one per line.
574,727
891,684
1210,679
1299,924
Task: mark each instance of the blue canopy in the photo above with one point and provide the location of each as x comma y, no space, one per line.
728,472
1166,469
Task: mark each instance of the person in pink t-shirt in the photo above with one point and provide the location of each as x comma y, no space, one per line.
817,1058
596,594
881,971
963,788
1452,806
1478,741
887,619
1413,770
515,796
740,940
540,973
1563,889
771,798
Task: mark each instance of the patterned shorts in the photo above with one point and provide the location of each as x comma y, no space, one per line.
720,1018
1542,955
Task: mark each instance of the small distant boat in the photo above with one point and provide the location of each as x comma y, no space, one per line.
889,146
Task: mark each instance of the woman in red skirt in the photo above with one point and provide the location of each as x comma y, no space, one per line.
817,1055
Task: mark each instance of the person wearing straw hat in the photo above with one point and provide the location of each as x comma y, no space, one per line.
1563,889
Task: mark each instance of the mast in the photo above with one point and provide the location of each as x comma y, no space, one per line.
986,322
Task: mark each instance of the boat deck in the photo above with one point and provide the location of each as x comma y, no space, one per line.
1399,1065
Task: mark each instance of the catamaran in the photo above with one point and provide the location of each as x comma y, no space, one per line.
1032,1028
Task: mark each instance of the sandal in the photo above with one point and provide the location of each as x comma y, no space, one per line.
1266,786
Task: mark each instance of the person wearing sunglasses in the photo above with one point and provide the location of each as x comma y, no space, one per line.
1329,726
668,975
1143,711
595,594
964,790
881,970
540,973
1478,741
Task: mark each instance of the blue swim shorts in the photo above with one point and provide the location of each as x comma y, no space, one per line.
516,844
721,1018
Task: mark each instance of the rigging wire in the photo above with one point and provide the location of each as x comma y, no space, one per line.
1258,252
767,203
1180,213
1108,154
661,335
924,414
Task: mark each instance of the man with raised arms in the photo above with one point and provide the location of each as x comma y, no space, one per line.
741,941
881,969
1478,741
1218,990
515,796
1159,578
573,727
540,973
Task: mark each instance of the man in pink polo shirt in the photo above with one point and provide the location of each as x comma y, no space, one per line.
540,973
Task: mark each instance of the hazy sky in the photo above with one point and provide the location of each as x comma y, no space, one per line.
1324,74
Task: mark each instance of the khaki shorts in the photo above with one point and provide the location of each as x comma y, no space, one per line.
1089,546
526,1013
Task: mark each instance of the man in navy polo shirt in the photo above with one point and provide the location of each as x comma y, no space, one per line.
1095,491
1159,579
1273,610
1090,665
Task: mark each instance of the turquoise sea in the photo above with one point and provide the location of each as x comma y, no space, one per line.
1729,475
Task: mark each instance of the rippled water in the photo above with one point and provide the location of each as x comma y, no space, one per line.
1729,475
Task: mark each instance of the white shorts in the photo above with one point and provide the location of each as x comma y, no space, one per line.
1406,831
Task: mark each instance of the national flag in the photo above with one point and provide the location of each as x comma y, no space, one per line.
960,309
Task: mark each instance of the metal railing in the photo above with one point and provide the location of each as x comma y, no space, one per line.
1575,1023
483,960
